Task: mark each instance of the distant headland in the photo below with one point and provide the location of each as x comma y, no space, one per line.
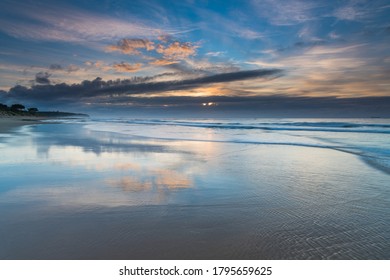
19,110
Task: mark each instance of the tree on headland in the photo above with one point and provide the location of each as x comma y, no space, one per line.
3,106
17,107
32,110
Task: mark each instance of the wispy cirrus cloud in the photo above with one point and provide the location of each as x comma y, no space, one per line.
290,12
216,54
79,28
326,50
229,27
203,65
64,23
68,68
116,67
349,12
163,62
344,70
360,10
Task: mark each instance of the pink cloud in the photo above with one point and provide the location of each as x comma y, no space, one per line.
127,67
132,46
177,50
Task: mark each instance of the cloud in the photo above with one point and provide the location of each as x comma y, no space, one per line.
162,52
261,63
348,13
324,50
97,89
333,35
249,34
228,29
216,54
177,50
66,24
297,46
127,67
55,67
360,10
157,53
163,62
58,67
165,38
306,33
343,70
234,76
72,68
97,64
132,46
281,12
206,66
142,93
42,78
116,67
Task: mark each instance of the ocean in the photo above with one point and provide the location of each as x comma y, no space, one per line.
122,188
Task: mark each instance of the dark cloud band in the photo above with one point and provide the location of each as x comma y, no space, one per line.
98,88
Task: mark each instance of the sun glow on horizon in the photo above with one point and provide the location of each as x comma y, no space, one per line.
209,104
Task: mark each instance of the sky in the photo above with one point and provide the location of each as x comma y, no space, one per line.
238,58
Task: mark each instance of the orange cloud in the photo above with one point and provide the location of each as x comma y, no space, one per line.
131,46
127,67
164,38
167,53
162,62
97,64
177,50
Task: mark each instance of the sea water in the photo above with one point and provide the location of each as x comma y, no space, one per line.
121,188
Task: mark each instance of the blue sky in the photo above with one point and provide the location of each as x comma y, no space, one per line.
164,54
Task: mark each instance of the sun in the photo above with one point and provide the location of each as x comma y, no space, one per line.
209,104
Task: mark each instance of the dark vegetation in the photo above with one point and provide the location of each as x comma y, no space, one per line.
21,110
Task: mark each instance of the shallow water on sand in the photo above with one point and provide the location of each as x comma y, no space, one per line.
120,190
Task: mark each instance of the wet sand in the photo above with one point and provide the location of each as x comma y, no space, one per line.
96,195
8,123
